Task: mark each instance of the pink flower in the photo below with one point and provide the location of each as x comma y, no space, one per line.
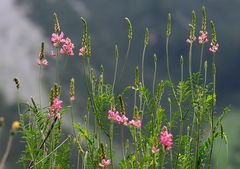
125,120
57,39
203,37
82,51
44,62
104,163
72,98
136,123
166,138
67,47
55,108
118,118
214,47
111,115
155,149
191,39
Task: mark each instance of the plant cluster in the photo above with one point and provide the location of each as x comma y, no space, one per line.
169,125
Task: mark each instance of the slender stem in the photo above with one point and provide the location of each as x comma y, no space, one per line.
190,69
46,137
6,153
125,60
115,75
39,86
57,66
168,69
50,153
111,142
163,159
213,108
201,59
154,76
123,143
74,133
143,56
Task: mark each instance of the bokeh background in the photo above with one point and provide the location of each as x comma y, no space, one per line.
24,24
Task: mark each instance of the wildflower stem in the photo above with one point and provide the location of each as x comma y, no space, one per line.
213,109
123,143
6,153
111,142
39,86
45,139
74,133
115,72
50,153
163,159
154,74
143,56
201,59
57,66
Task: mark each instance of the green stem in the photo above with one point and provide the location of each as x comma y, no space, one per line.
201,59
154,76
115,74
143,56
123,144
57,66
39,86
163,159
125,60
74,133
213,109
111,143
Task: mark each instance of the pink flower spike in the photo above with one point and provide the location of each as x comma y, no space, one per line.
132,122
166,138
155,149
118,118
111,115
203,37
125,120
191,39
57,39
82,51
45,62
72,98
106,162
67,47
214,47
138,124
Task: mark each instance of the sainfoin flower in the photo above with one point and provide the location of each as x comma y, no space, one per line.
166,138
57,40
203,37
43,62
136,123
191,39
82,51
55,108
155,149
214,47
104,163
67,47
